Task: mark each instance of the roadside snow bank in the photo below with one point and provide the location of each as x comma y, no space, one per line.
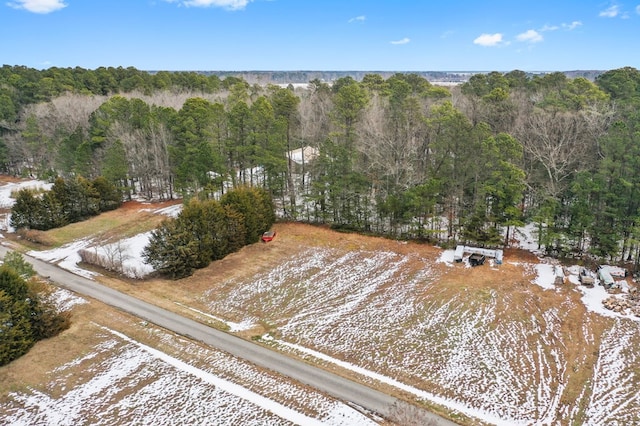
125,256
66,257
171,211
64,300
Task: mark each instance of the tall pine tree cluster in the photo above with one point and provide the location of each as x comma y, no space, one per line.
68,201
207,230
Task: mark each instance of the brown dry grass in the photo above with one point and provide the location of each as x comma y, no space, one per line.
36,370
32,369
518,298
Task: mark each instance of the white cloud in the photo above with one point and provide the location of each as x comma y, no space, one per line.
572,26
447,34
530,36
610,12
638,9
402,41
38,6
549,28
225,4
360,18
489,40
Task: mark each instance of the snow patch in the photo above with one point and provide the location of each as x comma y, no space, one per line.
446,257
526,238
171,211
64,300
225,385
128,255
614,399
7,201
66,257
128,382
545,276
234,327
427,396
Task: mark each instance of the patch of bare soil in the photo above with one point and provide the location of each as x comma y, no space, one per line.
9,179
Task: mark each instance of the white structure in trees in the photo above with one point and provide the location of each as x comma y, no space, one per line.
461,250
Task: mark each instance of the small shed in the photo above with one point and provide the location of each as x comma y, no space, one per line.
461,250
458,254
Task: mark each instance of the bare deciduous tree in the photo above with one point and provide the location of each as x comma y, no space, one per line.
555,141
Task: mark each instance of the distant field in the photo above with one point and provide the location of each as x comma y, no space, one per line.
471,343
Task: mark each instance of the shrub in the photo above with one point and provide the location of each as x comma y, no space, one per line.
209,230
25,317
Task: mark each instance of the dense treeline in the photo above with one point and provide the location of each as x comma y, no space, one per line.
25,316
209,230
22,86
396,156
68,201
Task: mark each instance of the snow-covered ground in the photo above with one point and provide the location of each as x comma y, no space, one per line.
64,300
67,257
128,382
615,388
371,312
368,312
171,211
7,201
128,250
6,190
126,253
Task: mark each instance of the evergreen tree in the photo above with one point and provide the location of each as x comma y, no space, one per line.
255,206
15,327
26,211
15,261
171,250
24,317
109,197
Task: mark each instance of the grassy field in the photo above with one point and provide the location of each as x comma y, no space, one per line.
470,343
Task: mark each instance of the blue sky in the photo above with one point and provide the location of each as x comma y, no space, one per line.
368,35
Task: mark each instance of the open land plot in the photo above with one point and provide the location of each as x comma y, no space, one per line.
481,345
481,342
95,374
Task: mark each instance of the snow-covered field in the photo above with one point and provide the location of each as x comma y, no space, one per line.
380,314
127,382
518,353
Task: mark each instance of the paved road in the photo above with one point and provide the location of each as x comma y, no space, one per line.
322,380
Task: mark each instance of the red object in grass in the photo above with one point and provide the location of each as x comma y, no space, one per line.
268,236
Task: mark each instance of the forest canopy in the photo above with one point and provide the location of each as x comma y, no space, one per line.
396,156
